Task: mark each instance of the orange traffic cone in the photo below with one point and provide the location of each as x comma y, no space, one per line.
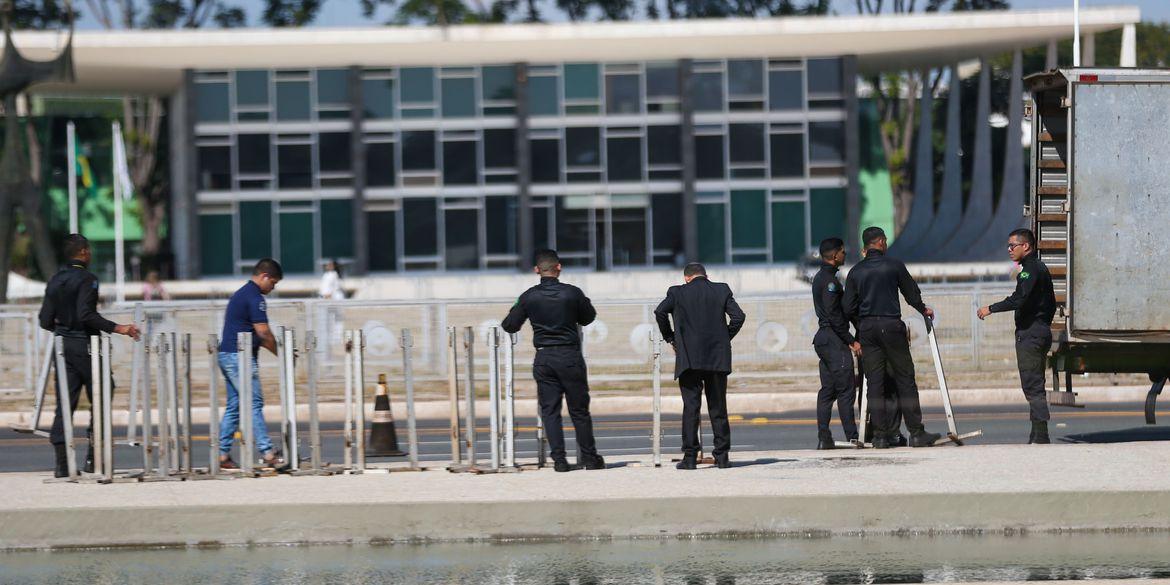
383,437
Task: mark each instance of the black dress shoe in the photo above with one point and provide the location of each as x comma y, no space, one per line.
561,466
62,468
723,462
688,462
594,462
899,441
826,444
881,441
924,439
1039,433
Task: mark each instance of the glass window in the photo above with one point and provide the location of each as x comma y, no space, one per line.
381,232
215,245
712,244
295,163
663,143
581,81
709,157
624,159
255,230
745,78
334,149
788,241
546,160
542,96
255,156
418,84
296,243
251,88
785,90
623,94
666,224
826,142
211,102
378,98
292,100
418,150
501,220
826,214
540,225
824,76
380,164
582,147
462,239
460,164
458,97
336,228
420,226
749,219
499,82
662,80
787,155
499,148
746,143
707,92
215,168
574,224
333,87
628,232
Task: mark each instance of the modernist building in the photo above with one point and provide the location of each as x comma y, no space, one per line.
620,144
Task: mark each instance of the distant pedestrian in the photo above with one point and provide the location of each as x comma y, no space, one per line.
706,319
1034,303
247,312
557,312
70,311
152,289
331,282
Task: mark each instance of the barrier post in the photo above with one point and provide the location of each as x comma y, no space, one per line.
173,402
359,376
244,385
291,440
163,454
107,391
314,416
186,398
469,393
64,406
656,372
453,391
347,429
148,448
510,401
282,351
135,378
494,394
213,404
96,406
408,384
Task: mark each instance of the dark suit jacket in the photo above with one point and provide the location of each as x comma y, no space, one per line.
702,333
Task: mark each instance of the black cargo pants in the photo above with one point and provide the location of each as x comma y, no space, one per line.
560,373
1032,346
837,384
884,345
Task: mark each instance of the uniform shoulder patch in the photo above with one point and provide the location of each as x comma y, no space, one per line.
833,287
95,284
1024,275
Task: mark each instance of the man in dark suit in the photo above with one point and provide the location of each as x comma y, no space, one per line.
706,318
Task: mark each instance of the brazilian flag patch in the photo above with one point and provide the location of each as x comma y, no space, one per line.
1024,276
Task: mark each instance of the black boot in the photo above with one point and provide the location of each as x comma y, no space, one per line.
593,462
62,469
824,444
561,466
881,440
723,461
1039,433
924,439
688,462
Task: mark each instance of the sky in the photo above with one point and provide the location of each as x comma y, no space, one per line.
338,13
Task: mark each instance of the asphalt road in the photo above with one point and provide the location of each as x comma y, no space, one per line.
630,435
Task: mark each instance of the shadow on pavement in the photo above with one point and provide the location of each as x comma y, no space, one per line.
1146,433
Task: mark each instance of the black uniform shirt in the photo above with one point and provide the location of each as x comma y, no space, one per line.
70,305
556,310
1033,300
871,289
827,292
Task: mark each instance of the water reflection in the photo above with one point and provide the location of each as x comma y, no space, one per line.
831,561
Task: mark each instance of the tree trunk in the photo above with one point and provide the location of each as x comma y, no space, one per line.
30,194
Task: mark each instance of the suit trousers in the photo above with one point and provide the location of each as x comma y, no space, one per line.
560,373
693,384
884,345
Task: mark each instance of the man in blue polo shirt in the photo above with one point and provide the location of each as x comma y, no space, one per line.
247,312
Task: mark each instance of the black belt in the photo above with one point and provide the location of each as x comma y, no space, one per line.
865,317
70,334
566,345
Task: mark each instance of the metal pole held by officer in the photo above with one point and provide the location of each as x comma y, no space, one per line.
556,311
871,300
69,310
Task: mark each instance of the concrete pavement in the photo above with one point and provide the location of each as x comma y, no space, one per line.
938,490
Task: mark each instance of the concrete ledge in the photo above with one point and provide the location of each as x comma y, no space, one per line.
941,490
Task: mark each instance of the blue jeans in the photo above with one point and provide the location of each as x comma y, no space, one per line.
229,364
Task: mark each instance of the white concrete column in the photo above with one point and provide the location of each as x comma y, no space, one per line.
1129,46
1089,51
1050,62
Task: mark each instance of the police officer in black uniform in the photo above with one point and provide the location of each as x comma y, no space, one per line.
70,311
871,300
835,347
1035,304
557,311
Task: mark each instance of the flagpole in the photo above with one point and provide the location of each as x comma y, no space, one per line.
1076,33
119,249
71,145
